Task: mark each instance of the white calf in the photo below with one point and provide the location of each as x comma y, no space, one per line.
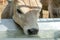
25,14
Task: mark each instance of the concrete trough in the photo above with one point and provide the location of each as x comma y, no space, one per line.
48,30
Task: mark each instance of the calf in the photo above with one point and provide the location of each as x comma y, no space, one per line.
25,14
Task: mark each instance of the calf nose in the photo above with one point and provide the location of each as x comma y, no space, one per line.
32,31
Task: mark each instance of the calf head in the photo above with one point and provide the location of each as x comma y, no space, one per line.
25,15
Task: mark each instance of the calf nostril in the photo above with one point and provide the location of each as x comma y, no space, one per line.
32,31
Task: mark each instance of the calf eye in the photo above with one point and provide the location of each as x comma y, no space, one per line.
19,11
